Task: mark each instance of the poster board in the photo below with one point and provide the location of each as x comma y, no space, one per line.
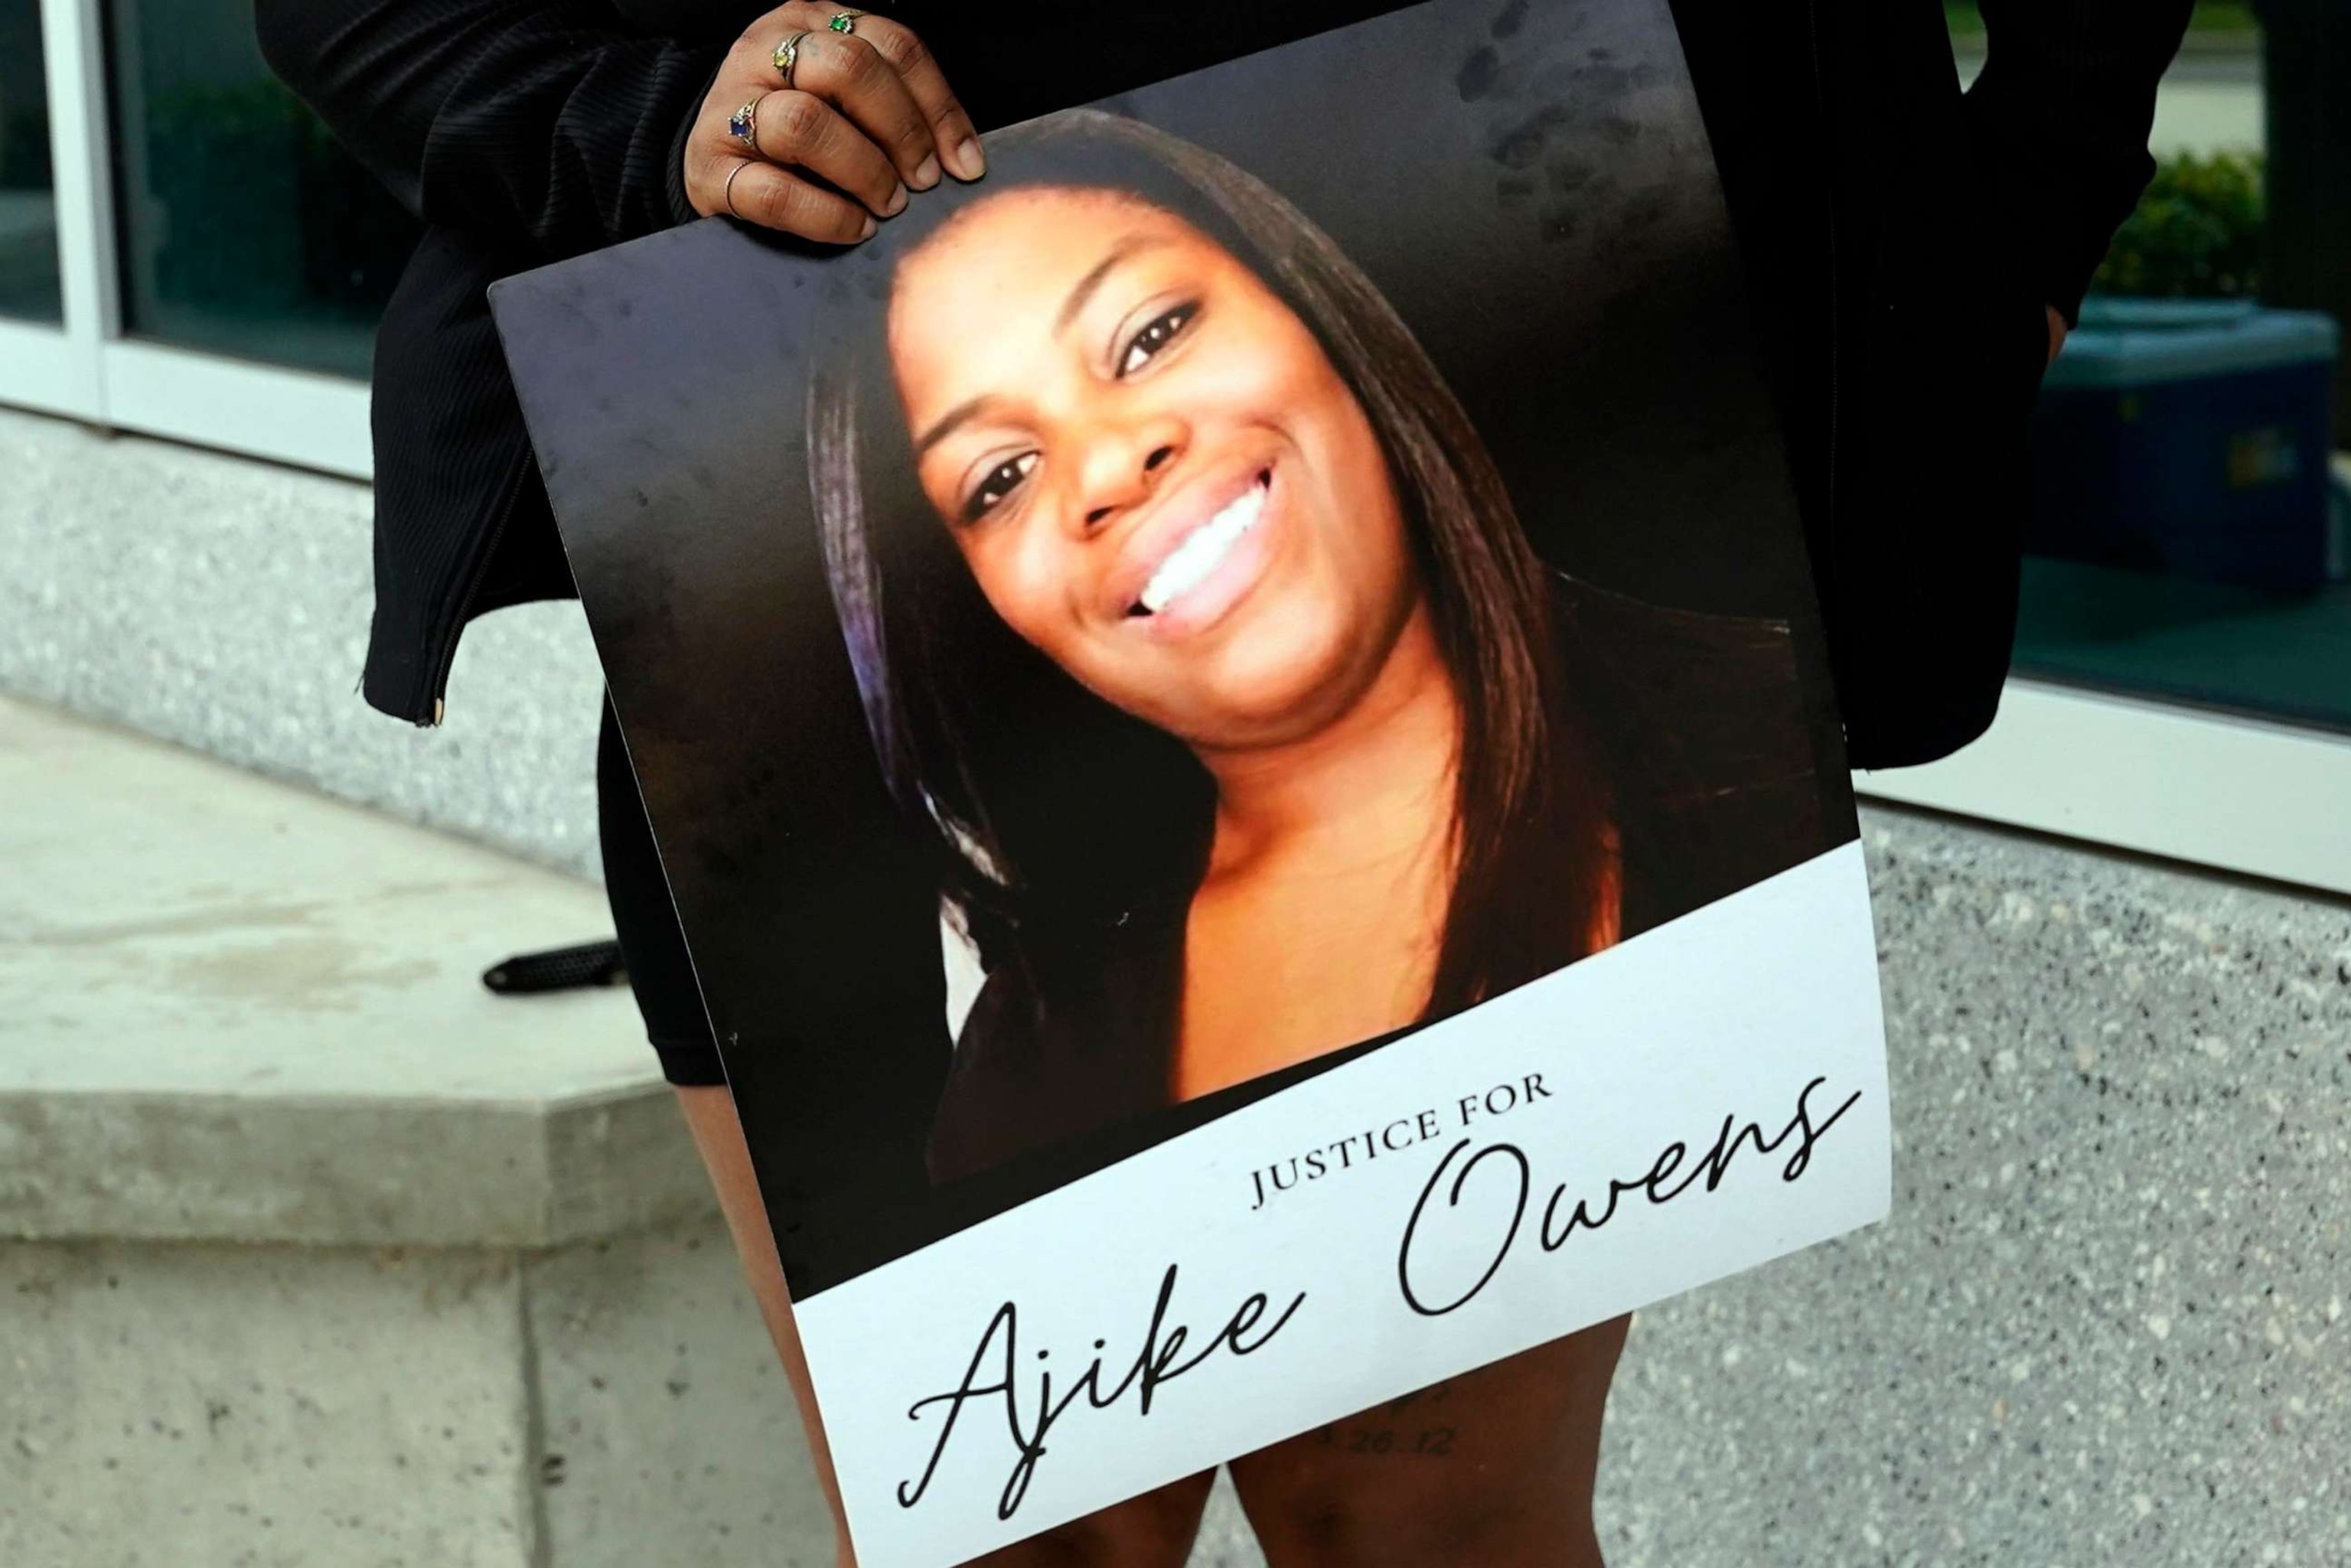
975,600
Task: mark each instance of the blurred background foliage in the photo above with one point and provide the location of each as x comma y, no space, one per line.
2197,234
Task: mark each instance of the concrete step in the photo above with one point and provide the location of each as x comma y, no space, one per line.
232,1010
312,1250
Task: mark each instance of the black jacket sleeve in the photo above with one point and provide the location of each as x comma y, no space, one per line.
549,124
2064,105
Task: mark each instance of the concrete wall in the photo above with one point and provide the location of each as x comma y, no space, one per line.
2105,1322
224,603
604,1405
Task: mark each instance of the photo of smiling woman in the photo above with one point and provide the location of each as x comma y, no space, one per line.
1201,644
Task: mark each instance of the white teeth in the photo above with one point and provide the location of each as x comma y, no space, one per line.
1203,550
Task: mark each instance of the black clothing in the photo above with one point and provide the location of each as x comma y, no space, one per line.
1718,798
1898,242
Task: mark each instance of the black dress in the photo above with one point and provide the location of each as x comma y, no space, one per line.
1705,732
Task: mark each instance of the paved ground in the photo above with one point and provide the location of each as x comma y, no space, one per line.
177,925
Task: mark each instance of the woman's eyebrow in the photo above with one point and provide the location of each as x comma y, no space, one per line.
948,422
1079,292
1085,288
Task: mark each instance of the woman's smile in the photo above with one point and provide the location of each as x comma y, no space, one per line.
1201,559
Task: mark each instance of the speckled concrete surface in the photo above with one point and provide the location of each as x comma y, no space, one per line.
224,603
666,1435
2105,1321
246,1407
610,1405
257,1016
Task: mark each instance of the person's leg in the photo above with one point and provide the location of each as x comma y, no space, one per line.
1154,1530
1494,1467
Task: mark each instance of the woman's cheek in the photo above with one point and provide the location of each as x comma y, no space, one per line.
1028,582
1250,386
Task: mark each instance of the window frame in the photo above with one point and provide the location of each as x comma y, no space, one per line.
2258,796
87,369
2237,793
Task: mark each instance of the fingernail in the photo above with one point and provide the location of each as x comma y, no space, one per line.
968,153
897,202
866,230
926,172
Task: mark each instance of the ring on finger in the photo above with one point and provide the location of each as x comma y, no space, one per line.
844,22
728,190
745,125
787,54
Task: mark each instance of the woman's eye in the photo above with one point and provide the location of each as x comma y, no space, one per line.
1154,337
1000,482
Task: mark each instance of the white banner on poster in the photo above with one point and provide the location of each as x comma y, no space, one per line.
1703,1098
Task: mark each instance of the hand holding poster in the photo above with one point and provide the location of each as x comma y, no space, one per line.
1234,719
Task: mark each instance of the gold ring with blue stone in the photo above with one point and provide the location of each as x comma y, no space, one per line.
745,125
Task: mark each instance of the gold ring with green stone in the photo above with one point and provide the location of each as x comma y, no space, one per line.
844,22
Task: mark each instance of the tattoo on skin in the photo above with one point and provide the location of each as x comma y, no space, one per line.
1421,1436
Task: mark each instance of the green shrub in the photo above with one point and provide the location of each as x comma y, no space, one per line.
2196,235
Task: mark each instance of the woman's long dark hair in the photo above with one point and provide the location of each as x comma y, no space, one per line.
1057,818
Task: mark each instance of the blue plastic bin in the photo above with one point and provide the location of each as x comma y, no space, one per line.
2190,437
